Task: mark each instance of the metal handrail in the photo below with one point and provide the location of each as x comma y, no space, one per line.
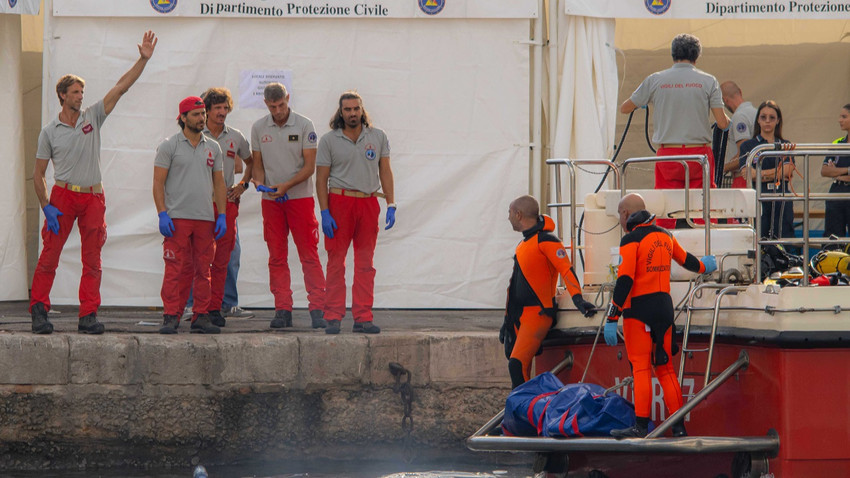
777,149
724,290
570,164
742,362
682,159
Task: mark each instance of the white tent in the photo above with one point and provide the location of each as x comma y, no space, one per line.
450,89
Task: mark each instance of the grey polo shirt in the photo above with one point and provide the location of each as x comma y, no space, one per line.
354,165
233,144
189,184
740,127
682,97
281,147
75,151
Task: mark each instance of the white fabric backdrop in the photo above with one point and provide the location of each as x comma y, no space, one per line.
452,95
13,253
587,103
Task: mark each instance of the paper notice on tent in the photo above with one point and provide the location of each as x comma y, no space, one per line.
253,82
707,9
259,9
20,7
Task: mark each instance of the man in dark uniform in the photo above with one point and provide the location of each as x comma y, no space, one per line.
642,297
531,306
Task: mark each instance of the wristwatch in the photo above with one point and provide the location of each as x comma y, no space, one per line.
244,184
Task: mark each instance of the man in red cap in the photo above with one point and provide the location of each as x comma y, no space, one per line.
72,142
187,173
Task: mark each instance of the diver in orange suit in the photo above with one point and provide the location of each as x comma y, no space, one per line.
531,307
642,297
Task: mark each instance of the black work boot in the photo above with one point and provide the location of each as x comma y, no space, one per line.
679,429
216,318
40,324
89,325
640,429
202,325
333,327
366,328
169,324
318,318
282,319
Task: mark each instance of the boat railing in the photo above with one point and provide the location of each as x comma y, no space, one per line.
570,164
724,290
742,362
781,150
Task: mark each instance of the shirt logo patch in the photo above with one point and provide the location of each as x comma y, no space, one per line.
267,138
293,138
87,128
741,127
164,6
657,7
311,138
370,152
561,253
231,153
432,7
210,158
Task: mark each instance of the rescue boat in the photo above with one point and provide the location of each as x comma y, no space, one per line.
765,352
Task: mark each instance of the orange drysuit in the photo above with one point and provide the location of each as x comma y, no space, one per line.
642,292
531,307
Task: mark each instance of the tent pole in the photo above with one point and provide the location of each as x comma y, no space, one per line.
537,108
552,117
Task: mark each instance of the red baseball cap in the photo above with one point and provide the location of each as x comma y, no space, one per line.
190,103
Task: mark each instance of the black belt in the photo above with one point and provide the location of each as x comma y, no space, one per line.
841,183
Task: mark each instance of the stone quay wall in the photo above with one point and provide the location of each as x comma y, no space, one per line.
71,401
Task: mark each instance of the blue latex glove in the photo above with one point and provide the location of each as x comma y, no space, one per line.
282,198
265,189
166,226
52,215
611,332
710,263
390,217
328,223
220,226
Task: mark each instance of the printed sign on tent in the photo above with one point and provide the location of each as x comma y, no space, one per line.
252,83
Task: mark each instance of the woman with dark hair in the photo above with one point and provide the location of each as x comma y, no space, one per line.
837,214
777,217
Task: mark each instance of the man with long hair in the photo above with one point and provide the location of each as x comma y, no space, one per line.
284,144
72,142
352,164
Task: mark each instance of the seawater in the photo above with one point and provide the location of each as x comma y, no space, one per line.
336,469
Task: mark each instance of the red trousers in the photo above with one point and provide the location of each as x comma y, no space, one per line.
357,221
529,336
298,217
187,254
88,210
223,249
672,175
639,349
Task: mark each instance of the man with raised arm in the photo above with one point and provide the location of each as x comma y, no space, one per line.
72,142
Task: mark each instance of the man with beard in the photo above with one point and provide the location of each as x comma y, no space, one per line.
187,174
72,142
352,163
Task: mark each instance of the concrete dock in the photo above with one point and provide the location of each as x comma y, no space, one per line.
132,397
